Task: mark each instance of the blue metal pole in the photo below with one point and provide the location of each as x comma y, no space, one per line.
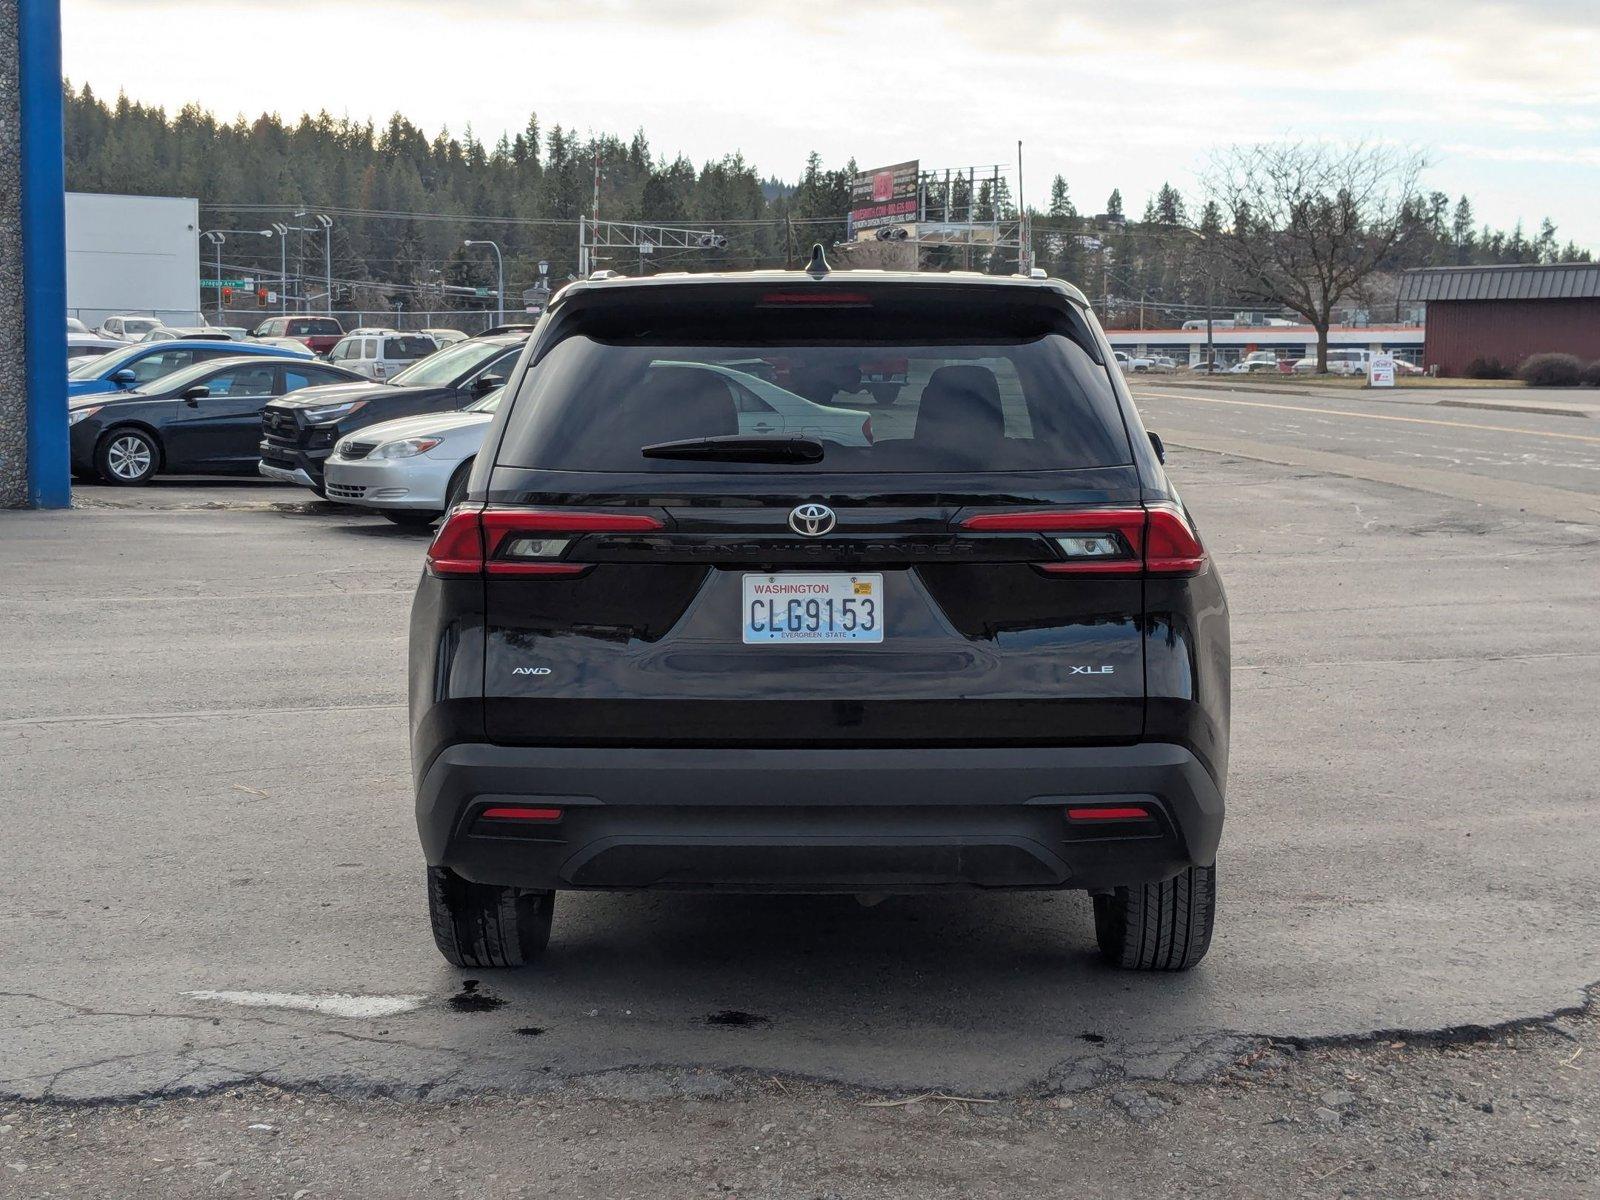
44,255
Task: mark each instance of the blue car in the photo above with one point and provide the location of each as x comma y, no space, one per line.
141,364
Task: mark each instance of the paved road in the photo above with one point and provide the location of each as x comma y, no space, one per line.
1475,445
203,782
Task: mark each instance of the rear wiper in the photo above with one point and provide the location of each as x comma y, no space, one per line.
742,447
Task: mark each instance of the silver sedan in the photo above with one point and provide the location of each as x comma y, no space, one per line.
413,469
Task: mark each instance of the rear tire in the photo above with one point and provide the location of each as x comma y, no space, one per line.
1158,926
481,925
411,518
884,393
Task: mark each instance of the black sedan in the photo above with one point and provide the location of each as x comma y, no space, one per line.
203,420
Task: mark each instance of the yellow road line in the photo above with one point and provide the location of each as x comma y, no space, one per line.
1341,412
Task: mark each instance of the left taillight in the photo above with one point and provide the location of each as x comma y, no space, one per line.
474,540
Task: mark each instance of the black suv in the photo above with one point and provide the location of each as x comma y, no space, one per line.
299,432
971,640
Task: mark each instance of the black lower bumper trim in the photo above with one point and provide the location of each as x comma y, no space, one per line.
824,820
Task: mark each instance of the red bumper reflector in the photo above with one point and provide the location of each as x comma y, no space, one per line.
516,812
1128,813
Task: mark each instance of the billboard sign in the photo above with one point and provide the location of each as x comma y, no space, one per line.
884,196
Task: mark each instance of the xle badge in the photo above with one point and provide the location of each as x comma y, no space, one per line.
1094,670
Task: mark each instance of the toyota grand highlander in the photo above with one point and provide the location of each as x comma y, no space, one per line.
984,648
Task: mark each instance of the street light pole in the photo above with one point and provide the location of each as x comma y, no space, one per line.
500,272
283,265
327,256
216,237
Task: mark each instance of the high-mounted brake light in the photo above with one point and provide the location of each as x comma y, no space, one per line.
1156,540
815,298
511,541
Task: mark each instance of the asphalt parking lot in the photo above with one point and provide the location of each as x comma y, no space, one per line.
204,780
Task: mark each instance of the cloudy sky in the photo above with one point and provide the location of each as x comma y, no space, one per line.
1504,96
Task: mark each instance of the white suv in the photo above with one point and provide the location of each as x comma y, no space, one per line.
380,354
128,328
1340,362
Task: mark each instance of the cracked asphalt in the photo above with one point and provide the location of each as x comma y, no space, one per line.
204,784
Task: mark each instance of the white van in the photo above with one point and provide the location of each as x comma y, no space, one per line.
381,354
1340,362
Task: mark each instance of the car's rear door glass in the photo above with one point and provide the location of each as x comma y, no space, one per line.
1038,404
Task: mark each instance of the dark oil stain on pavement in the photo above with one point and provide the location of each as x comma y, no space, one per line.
735,1019
472,999
1092,1038
530,1031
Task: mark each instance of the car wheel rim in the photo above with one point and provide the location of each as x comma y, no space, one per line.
129,457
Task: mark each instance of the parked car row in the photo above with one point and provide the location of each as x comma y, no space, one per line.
202,406
300,433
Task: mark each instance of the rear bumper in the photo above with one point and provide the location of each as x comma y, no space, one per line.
818,820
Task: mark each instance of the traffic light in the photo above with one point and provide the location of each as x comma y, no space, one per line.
227,295
261,297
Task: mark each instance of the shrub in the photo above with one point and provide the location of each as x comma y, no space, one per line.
1486,368
1551,370
1591,373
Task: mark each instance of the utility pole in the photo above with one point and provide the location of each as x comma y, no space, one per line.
1025,251
1211,346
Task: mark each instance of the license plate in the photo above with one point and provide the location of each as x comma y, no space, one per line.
826,609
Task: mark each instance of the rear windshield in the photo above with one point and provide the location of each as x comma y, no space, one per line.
1036,405
315,327
404,348
442,367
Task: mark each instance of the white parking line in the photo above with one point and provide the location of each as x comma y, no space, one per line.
332,1004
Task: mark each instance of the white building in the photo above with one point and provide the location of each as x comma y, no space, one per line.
1188,346
133,254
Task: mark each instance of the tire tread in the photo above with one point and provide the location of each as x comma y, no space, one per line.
1164,926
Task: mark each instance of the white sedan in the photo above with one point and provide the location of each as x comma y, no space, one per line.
411,470
764,407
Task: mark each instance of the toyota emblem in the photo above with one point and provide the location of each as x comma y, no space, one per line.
812,520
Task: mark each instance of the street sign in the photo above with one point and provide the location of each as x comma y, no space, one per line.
647,247
1380,370
246,282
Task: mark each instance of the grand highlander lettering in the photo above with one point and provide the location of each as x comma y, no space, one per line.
972,643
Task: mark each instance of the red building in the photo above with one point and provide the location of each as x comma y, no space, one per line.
1506,313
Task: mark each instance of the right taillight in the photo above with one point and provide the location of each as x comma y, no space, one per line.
1171,546
1153,540
512,541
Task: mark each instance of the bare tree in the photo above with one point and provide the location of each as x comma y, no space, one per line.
1304,224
